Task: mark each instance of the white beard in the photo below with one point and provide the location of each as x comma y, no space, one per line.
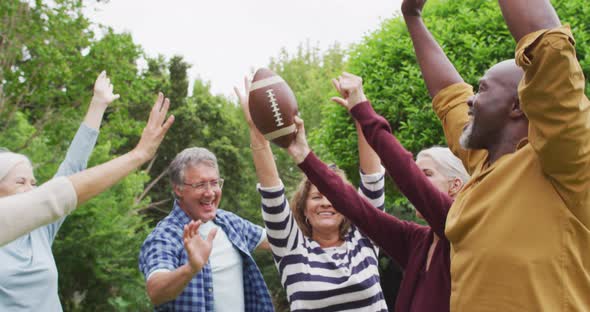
465,138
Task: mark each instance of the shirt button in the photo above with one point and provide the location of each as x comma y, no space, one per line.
210,289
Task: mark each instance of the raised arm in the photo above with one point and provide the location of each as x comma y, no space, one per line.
282,230
399,163
95,180
552,95
264,162
527,16
394,236
102,97
60,196
84,141
368,159
444,83
437,69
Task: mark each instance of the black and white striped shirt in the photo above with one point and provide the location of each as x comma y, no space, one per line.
344,278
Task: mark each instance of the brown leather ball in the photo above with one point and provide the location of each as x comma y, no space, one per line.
273,107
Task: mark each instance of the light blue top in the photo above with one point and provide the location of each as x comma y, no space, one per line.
28,275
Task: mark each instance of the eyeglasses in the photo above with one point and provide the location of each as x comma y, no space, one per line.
203,186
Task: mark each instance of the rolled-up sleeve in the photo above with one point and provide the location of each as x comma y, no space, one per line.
450,105
159,252
252,233
552,97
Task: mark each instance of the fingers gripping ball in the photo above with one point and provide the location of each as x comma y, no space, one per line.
273,107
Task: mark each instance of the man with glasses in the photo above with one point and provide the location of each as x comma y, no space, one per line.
199,257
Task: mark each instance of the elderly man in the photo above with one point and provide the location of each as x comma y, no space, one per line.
519,231
199,257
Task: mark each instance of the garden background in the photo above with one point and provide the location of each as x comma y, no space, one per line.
50,56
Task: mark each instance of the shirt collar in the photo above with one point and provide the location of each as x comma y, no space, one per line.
522,143
179,214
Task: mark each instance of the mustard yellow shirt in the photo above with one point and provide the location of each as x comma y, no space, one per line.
520,229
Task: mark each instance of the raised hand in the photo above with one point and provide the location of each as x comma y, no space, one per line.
103,91
156,128
246,110
103,96
299,148
350,88
197,248
412,7
244,100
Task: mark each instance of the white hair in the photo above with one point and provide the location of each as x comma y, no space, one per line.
9,160
447,163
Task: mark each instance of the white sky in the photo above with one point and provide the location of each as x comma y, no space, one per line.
225,39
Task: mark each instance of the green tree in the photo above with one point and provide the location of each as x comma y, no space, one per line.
49,59
179,80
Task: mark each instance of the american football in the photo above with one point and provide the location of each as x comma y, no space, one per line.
273,107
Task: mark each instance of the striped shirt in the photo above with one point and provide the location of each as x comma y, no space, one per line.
344,278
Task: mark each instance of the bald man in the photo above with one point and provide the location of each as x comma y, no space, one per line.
519,231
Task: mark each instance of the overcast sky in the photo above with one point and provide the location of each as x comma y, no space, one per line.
225,39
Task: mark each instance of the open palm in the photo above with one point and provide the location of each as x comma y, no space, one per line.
243,98
197,248
103,90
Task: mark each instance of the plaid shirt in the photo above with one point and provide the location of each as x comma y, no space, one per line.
164,249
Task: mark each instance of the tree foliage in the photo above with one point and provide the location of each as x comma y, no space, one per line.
49,59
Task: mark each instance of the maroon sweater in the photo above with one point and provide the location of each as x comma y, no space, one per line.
406,242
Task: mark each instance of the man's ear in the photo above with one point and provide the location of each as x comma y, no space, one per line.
177,191
515,111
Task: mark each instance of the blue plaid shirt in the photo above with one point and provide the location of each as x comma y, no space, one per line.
164,249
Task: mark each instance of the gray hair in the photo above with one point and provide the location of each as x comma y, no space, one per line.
9,159
448,164
191,156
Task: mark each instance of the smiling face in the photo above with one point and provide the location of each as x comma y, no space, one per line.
199,204
320,214
314,213
490,107
19,179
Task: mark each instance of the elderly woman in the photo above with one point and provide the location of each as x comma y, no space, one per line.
430,184
28,275
23,212
325,263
